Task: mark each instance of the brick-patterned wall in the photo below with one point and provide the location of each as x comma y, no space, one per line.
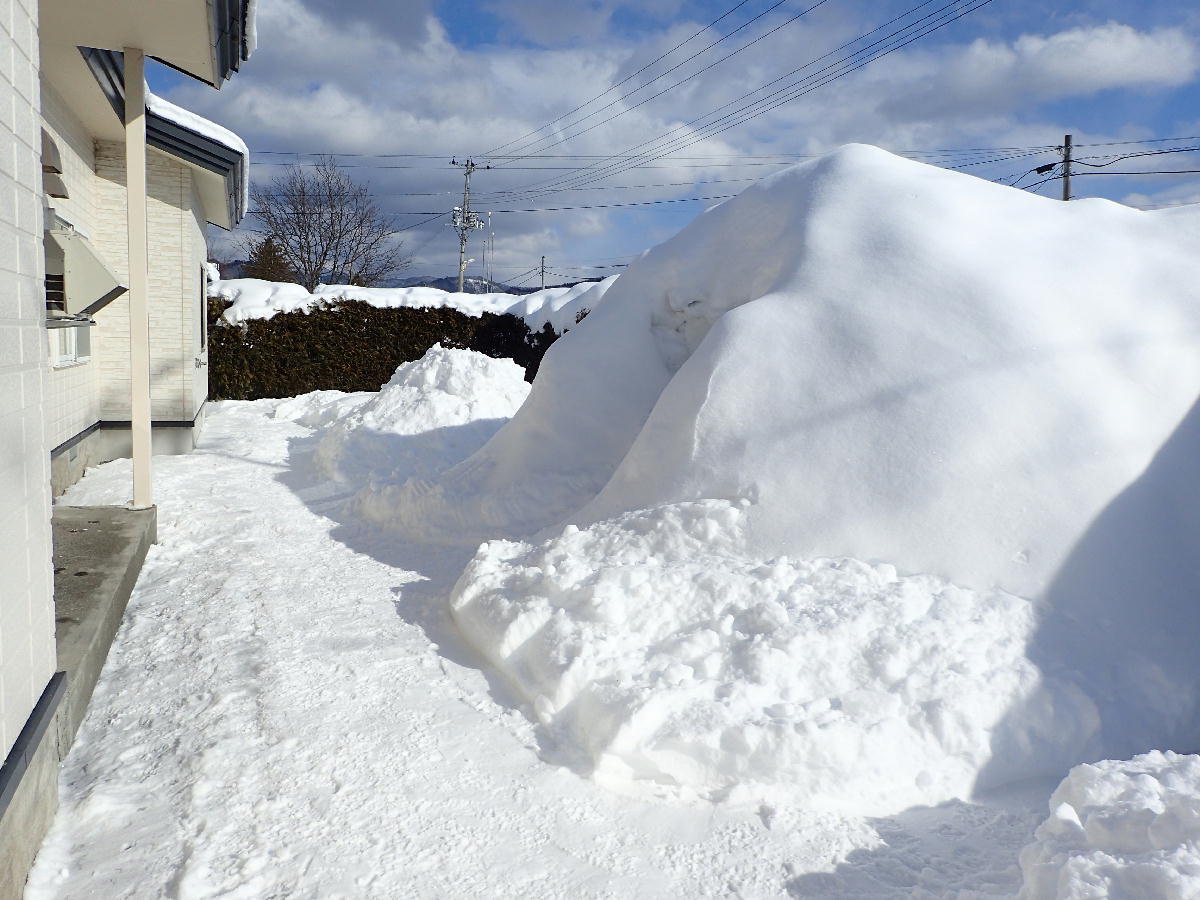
173,285
26,600
70,402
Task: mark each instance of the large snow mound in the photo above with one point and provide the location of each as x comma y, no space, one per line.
891,363
253,298
432,413
676,663
1120,828
891,360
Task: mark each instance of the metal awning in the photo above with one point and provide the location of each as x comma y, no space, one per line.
88,284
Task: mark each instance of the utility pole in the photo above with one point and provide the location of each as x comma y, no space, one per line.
543,273
1066,178
463,220
489,252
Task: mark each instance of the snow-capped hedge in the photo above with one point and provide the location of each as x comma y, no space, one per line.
291,342
353,346
252,298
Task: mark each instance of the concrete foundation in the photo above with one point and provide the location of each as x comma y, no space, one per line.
98,553
105,441
29,791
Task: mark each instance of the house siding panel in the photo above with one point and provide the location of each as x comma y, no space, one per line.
174,291
26,601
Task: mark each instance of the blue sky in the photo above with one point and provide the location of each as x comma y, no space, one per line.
452,78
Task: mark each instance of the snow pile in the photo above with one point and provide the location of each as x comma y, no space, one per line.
432,413
889,362
1125,828
890,359
673,660
253,298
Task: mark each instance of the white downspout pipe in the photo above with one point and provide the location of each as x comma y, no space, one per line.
139,263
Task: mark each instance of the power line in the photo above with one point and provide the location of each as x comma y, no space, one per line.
442,156
838,75
743,97
1133,156
1163,172
539,168
545,208
679,65
847,65
1145,141
687,78
624,80
647,155
612,205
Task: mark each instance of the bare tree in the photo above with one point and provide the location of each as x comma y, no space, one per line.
326,226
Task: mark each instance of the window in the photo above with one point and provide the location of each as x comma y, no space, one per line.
70,346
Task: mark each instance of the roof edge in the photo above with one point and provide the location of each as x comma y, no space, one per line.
172,137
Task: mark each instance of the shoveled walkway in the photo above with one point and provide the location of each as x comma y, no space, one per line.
286,712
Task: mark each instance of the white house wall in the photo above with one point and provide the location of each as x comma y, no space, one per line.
73,402
76,147
199,347
176,253
27,655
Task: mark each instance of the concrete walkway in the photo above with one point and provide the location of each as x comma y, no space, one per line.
98,553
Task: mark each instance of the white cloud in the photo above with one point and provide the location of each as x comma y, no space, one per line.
558,23
1000,77
352,79
1176,195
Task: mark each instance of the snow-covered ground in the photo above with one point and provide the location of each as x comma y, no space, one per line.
289,711
848,512
253,298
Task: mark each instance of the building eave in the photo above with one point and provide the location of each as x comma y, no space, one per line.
185,144
205,39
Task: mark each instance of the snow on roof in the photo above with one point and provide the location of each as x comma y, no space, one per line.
185,118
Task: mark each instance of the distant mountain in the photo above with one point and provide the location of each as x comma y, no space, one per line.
450,283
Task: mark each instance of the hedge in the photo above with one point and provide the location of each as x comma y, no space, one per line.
350,345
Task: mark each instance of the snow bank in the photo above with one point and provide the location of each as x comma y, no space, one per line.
252,298
891,360
886,362
676,662
1127,828
432,413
